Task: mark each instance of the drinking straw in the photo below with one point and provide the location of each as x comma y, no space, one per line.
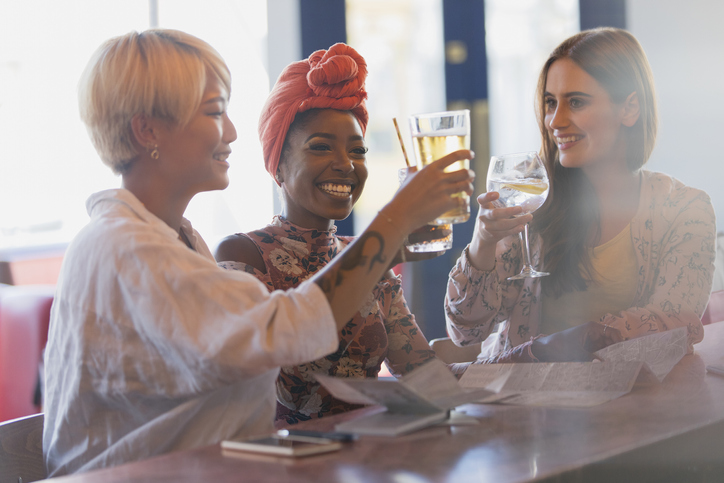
402,144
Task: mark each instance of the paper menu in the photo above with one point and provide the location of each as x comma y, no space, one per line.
430,387
583,384
660,351
417,400
578,384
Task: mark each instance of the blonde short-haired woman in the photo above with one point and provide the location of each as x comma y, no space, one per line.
152,347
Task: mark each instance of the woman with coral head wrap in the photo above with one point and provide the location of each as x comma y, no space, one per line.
312,132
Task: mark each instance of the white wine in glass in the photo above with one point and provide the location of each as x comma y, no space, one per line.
521,180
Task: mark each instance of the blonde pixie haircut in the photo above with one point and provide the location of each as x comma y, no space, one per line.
160,73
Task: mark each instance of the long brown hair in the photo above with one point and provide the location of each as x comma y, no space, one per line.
570,215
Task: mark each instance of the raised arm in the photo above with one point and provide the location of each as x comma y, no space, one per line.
348,279
477,295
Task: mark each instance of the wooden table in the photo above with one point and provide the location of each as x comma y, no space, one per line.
663,432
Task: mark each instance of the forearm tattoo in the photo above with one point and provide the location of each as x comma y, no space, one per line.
352,258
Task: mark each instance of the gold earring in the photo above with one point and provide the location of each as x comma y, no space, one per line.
153,150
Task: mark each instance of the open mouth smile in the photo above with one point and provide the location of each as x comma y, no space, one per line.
566,141
222,157
336,189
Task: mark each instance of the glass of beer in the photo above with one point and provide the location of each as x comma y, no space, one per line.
435,135
430,238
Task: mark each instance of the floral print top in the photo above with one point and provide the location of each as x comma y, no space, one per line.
674,236
383,330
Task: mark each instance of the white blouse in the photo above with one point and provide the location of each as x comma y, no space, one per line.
153,348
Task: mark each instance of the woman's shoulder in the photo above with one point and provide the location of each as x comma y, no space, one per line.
664,184
240,248
670,199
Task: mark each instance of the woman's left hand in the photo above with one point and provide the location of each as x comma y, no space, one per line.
576,344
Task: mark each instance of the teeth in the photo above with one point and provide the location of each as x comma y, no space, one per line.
221,157
336,189
568,139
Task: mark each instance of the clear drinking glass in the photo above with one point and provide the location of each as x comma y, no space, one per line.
436,237
521,180
433,136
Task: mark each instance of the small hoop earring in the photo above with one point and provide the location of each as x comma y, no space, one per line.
154,152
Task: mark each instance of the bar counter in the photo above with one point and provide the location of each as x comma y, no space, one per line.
673,431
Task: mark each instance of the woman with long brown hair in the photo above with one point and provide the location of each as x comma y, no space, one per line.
629,251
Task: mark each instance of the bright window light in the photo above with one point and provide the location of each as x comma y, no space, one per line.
48,166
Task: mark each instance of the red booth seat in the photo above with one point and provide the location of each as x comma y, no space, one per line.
24,318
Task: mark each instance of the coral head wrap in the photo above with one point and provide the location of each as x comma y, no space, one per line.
328,79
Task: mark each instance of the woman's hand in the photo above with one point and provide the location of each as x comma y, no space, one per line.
495,222
492,225
576,344
348,279
427,194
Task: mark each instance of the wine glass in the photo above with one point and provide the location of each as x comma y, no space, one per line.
521,180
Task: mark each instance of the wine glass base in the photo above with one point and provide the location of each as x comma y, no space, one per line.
528,274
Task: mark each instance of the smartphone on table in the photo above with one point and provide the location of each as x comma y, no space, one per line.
284,445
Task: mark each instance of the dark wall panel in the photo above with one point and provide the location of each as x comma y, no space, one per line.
323,25
602,13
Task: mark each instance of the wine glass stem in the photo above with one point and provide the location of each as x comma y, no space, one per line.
526,248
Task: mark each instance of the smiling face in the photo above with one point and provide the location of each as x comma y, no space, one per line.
586,125
323,168
194,156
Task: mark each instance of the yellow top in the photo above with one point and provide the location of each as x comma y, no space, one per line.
613,288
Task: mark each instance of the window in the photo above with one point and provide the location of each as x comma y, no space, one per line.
519,37
402,43
48,166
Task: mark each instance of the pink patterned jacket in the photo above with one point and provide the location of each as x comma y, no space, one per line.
674,237
382,330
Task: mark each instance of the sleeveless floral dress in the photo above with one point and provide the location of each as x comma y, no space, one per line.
383,329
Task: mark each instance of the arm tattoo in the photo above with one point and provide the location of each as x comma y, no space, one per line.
351,259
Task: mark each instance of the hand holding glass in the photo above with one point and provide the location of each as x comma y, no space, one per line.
521,180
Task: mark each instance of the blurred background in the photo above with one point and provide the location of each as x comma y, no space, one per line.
423,55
